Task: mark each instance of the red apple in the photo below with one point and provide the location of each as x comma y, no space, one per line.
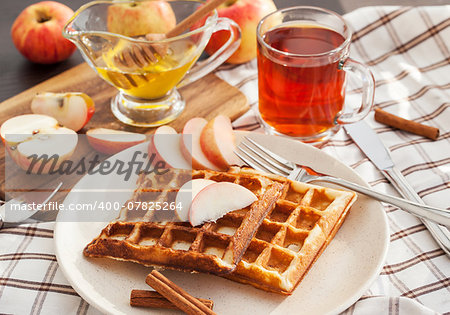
247,14
140,17
110,141
39,135
72,110
37,32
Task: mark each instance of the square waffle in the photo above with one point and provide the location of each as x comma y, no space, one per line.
154,239
292,235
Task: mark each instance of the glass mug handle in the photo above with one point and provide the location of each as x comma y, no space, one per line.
368,91
220,56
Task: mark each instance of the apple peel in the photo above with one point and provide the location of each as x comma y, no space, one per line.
216,200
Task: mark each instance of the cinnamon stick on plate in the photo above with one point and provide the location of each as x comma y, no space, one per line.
404,124
183,300
146,298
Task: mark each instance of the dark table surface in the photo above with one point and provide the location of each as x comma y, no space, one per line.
18,74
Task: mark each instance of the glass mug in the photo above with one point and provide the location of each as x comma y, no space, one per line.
302,64
147,87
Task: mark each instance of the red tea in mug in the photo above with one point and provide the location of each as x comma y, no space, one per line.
296,96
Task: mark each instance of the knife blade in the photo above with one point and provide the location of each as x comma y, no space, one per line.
371,145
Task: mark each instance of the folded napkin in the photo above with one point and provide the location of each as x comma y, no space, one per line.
408,52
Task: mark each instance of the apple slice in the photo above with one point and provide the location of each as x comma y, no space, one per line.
111,141
187,193
218,142
190,144
37,143
214,201
166,146
72,110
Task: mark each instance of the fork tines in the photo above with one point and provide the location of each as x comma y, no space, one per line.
259,157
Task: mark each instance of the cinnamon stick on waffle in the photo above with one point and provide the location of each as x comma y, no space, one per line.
292,235
270,249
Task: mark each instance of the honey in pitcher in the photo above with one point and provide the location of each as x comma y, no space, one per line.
155,79
297,97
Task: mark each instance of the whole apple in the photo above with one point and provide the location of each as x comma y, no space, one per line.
140,17
37,32
247,14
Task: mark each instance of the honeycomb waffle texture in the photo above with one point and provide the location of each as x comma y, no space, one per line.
292,235
152,238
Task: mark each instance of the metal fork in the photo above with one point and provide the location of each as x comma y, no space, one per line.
261,158
23,216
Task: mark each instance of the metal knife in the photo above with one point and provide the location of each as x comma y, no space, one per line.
369,142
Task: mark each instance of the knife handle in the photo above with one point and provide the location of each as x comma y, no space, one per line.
440,216
440,233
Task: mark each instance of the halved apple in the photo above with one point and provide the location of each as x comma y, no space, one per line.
190,144
37,143
166,145
218,142
72,110
187,193
216,200
111,141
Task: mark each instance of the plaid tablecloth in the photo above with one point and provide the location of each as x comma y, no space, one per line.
408,50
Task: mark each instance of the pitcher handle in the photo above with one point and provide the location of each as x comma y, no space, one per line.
368,90
220,56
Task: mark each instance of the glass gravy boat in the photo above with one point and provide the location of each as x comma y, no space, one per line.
106,31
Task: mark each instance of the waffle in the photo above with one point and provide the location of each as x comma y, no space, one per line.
292,235
152,239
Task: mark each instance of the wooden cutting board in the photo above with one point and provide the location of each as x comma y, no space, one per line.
206,98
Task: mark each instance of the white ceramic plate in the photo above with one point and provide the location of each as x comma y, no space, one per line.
341,275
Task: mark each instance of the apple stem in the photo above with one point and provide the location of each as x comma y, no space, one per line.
42,16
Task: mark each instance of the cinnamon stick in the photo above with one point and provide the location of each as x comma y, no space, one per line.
404,124
146,298
194,17
183,300
137,56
